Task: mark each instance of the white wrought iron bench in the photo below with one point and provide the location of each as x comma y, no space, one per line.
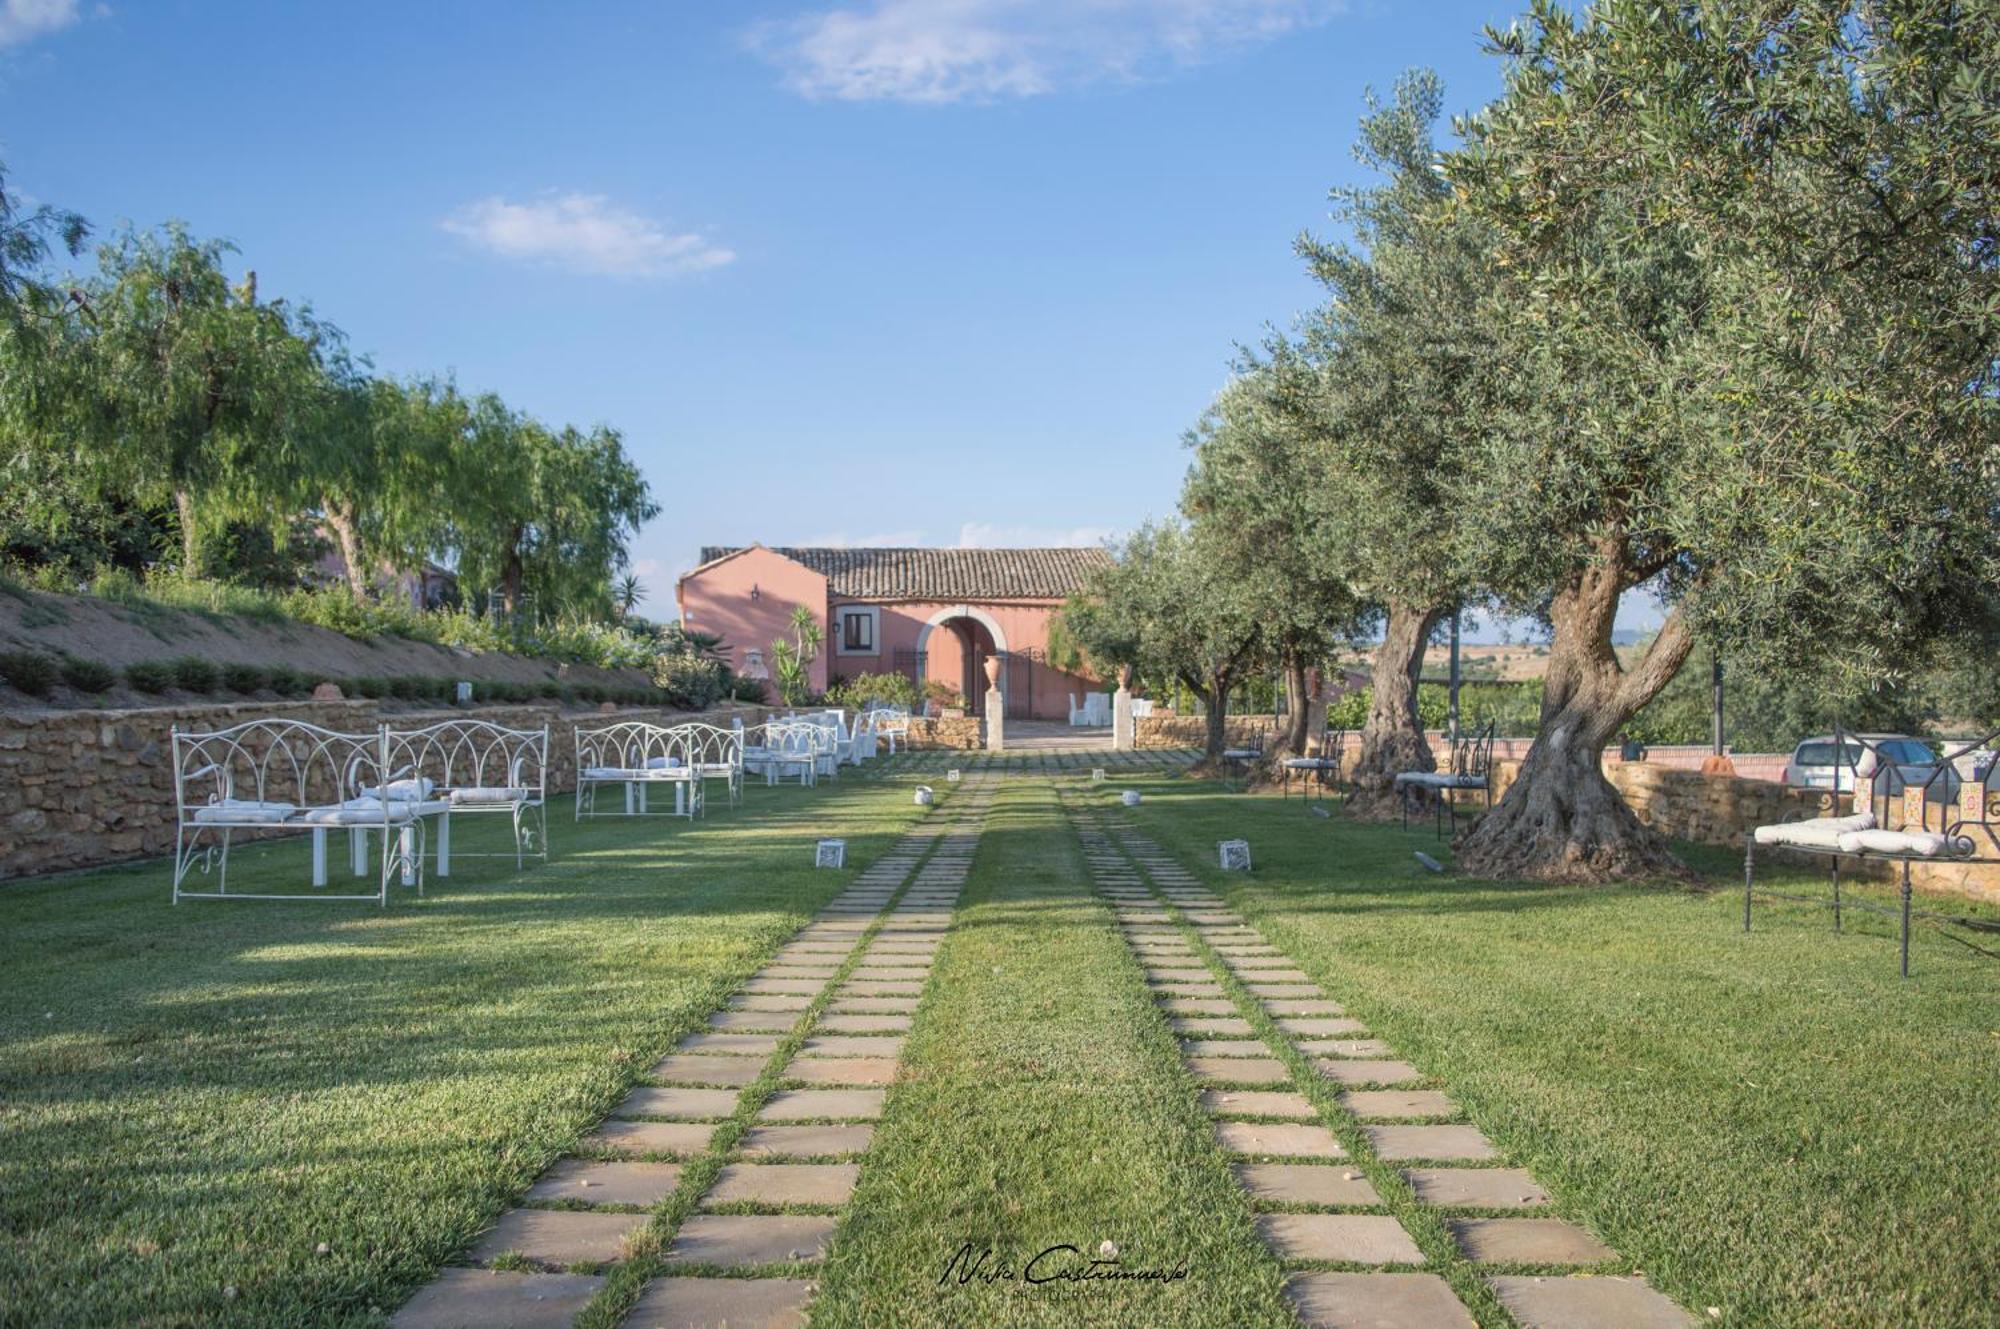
468,767
637,757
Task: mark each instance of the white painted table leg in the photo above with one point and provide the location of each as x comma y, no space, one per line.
357,851
631,798
319,855
444,844
406,849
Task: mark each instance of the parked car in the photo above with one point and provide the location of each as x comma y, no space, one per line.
1908,761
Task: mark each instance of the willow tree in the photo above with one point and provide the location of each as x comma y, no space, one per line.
1254,512
1396,393
1745,278
184,381
531,506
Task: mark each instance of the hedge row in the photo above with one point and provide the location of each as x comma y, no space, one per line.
37,675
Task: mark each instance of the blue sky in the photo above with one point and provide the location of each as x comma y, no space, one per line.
866,271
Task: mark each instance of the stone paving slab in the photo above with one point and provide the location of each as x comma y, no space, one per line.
1476,1187
1361,1071
1277,1139
1238,1070
1289,1007
849,1045
770,1001
679,1138
1348,1238
1283,989
1376,1301
497,1299
872,1005
1527,1241
783,1183
1366,1048
680,1104
805,1141
797,971
695,1068
735,1045
1588,1303
1320,1026
559,1236
737,1240
751,1022
1225,1047
1273,970
1306,1183
798,987
1197,1005
871,1023
810,1104
1256,1103
1393,1143
842,1070
1211,1026
899,972
722,1303
1381,1104
592,1182
875,987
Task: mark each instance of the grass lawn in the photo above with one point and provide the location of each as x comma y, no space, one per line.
1775,1125
271,1113
1043,1104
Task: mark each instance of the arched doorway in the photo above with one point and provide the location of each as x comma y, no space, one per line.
955,645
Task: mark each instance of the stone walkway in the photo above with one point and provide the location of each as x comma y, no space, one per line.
1332,1135
1052,760
718,1185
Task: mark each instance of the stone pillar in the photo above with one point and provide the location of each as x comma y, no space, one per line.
996,721
1122,730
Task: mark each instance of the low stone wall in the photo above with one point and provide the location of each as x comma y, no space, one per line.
84,788
958,734
1163,729
1721,810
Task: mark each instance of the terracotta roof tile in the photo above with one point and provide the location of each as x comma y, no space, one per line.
942,574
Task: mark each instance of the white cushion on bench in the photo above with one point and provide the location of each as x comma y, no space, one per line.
411,791
635,773
1927,844
480,794
1441,780
365,812
243,812
1817,833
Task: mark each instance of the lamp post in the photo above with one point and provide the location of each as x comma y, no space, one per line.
1453,713
1715,682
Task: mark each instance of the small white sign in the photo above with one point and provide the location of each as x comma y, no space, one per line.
924,796
1235,855
831,854
464,694
951,776
1097,775
1130,798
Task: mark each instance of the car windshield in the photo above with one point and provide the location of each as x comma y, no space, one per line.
1907,752
1821,754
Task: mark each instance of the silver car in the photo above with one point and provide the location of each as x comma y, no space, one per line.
1908,761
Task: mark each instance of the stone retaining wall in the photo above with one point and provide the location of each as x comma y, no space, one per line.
84,788
959,733
1164,729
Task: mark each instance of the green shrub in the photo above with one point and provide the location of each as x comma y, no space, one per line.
407,687
752,690
244,678
194,674
287,681
856,692
29,671
87,675
549,687
372,687
150,675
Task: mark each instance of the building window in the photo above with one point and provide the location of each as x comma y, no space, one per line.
858,629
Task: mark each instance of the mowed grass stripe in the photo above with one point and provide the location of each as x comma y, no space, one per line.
1043,1104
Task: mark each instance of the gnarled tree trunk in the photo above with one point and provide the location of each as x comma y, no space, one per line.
1393,739
190,542
1298,724
347,537
1561,820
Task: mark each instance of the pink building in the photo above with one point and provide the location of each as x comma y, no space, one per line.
928,614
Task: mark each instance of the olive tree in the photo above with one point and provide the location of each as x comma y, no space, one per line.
1393,382
1744,276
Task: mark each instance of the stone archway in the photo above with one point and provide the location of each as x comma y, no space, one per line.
975,637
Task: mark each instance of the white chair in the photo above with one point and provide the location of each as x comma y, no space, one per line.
473,767
637,756
715,753
1142,708
892,723
777,748
269,776
1097,709
1078,712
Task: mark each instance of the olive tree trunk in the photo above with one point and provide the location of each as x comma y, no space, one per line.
347,538
1298,724
1561,820
1393,739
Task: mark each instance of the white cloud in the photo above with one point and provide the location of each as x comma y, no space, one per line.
584,233
989,535
25,20
985,50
